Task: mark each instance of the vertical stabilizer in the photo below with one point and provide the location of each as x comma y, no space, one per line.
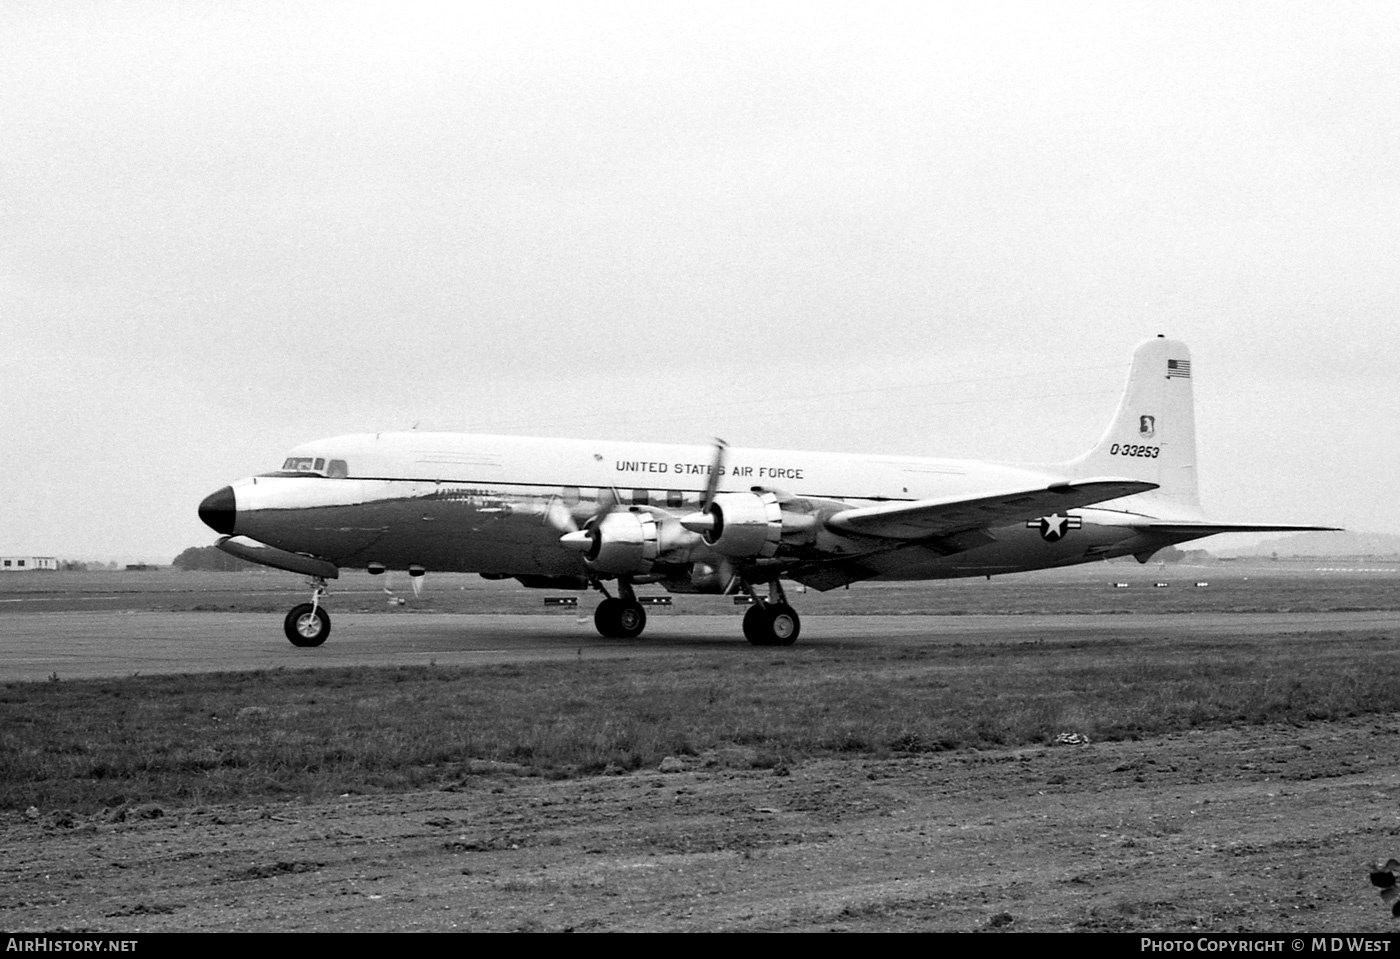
1153,434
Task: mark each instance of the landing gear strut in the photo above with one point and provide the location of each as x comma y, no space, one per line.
622,618
309,624
771,621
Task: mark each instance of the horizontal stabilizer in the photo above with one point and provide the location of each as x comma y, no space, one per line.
1198,530
255,552
944,517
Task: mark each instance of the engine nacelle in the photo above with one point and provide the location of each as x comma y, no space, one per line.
619,543
741,525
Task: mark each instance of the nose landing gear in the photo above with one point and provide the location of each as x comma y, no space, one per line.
309,624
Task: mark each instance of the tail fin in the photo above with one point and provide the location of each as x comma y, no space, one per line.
1153,434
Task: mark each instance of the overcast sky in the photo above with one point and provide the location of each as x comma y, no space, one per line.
229,228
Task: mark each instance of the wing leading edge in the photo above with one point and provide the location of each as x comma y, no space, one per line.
944,517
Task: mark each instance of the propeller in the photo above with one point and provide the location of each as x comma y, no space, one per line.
715,470
581,539
558,515
703,521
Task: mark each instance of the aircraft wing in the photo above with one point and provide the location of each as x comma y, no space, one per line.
943,517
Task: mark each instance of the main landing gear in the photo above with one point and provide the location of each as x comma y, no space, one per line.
620,618
309,624
771,621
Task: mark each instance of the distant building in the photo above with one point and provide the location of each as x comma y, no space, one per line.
23,564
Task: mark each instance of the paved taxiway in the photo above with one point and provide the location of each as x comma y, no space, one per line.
74,645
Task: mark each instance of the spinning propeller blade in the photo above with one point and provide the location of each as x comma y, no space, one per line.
561,518
702,520
716,469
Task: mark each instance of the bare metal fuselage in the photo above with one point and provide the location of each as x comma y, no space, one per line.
580,513
460,503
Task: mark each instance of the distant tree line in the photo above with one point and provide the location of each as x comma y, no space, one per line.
211,558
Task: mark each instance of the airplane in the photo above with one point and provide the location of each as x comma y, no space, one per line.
579,514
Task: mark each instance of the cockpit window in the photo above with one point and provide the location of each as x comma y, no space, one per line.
312,466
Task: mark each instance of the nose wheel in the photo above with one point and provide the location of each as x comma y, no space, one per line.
309,624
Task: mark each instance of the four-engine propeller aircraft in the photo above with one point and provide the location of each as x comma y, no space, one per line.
577,514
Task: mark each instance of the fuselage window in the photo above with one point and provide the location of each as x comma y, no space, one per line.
570,495
336,469
641,497
674,498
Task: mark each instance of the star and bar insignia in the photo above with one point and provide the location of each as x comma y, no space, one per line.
1053,527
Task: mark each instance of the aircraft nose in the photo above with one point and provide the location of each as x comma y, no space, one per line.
218,511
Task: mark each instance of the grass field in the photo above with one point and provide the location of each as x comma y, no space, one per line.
1258,586
230,737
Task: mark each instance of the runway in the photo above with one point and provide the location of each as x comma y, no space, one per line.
71,645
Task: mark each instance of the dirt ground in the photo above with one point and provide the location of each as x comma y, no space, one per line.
1250,829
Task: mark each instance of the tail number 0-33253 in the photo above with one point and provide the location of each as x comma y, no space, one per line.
1124,450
